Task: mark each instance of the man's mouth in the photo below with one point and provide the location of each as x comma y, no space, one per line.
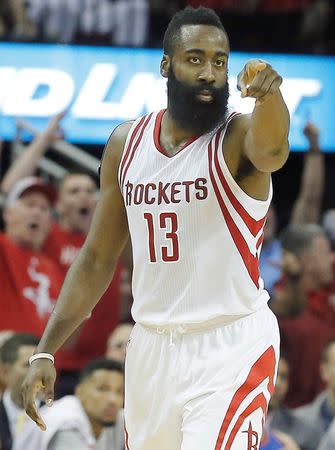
205,96
33,226
84,211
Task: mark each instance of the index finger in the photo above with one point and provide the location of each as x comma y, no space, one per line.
29,402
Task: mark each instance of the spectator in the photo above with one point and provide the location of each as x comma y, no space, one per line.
118,341
305,298
321,411
92,418
30,281
4,335
281,418
14,356
306,208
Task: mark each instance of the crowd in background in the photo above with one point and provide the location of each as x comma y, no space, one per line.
44,225
252,25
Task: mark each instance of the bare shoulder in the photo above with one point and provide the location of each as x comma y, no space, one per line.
117,140
113,150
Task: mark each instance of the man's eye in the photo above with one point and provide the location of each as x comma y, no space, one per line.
220,63
195,60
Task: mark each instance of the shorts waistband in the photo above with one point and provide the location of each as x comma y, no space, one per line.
187,328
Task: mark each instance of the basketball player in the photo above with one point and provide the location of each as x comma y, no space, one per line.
192,185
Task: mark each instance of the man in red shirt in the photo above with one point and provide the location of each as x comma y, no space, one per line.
30,281
304,301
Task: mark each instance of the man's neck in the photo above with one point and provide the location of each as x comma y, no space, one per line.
65,224
172,135
96,427
22,243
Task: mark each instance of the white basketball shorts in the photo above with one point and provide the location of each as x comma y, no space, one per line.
201,390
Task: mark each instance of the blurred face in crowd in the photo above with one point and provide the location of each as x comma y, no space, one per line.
327,367
28,220
270,228
101,395
117,342
77,199
15,373
318,261
282,385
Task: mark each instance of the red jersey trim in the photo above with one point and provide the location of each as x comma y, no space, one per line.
157,130
250,261
253,225
262,369
135,148
130,143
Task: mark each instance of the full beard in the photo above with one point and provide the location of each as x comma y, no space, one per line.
191,113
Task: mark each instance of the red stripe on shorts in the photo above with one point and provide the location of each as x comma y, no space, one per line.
262,369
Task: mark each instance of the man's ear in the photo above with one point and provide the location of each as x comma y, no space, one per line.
4,373
165,66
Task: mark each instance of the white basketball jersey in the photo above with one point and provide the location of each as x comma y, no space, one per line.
196,235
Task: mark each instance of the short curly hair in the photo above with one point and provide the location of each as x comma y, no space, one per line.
189,16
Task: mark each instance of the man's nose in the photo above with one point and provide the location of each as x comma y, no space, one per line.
207,73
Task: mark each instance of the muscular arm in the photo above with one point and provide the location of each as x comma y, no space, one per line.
91,272
266,140
257,144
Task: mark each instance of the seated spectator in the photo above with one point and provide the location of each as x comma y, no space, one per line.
321,411
4,335
118,341
305,299
281,418
14,356
92,418
30,281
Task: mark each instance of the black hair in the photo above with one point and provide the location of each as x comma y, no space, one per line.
100,364
325,349
296,238
189,16
10,349
73,173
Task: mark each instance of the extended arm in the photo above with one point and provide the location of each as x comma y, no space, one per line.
26,164
266,139
306,208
